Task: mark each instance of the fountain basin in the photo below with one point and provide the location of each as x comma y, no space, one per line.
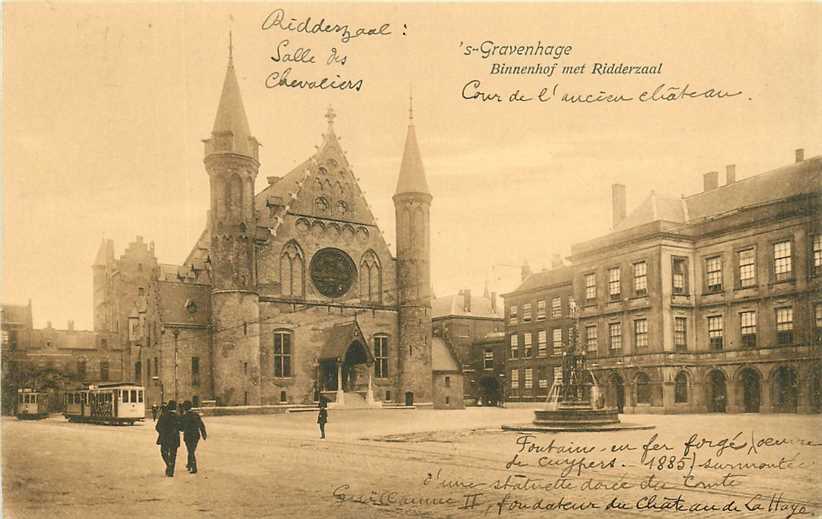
575,416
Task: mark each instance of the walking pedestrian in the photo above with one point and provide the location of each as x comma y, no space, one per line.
322,418
154,410
193,429
168,428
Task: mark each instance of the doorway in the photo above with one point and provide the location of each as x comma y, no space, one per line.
717,392
751,389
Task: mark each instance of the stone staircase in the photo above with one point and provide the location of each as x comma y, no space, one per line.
351,400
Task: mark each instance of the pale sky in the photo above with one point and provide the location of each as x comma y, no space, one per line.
105,105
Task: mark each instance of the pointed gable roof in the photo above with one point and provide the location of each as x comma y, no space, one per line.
231,116
340,337
412,174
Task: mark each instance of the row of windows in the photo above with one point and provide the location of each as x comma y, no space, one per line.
528,378
557,344
284,351
782,269
541,315
782,265
640,282
715,330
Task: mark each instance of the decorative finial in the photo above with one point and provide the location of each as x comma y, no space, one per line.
329,116
411,103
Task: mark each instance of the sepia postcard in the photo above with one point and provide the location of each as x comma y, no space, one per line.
411,259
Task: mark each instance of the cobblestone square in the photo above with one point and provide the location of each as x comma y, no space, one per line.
418,463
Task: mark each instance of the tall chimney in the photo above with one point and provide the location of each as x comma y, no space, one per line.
466,300
556,261
493,302
710,180
71,326
618,203
800,154
730,174
525,271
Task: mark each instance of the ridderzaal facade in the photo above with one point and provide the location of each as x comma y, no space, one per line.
290,294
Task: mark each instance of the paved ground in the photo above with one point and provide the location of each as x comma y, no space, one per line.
377,464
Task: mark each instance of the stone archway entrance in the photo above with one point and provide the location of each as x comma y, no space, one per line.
717,392
345,367
489,390
785,390
749,389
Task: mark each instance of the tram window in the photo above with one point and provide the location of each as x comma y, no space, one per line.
125,397
133,396
140,396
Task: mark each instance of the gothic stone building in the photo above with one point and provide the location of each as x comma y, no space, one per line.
290,294
709,302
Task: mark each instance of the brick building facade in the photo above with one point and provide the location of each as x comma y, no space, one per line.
711,302
538,327
466,323
55,359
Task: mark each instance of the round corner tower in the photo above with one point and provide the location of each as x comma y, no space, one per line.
231,160
412,203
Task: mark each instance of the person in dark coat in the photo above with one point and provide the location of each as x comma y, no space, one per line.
168,438
193,429
322,418
154,410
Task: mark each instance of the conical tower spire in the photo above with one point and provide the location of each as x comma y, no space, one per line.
231,124
105,253
412,173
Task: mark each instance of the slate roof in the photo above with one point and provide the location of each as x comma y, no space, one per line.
231,113
412,173
441,357
655,207
546,278
454,305
795,179
340,338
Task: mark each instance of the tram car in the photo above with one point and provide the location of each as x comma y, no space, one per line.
111,404
32,405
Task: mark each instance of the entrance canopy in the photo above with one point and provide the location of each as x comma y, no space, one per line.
340,339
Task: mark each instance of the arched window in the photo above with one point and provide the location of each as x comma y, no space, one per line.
681,388
380,356
292,270
643,389
283,344
370,278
